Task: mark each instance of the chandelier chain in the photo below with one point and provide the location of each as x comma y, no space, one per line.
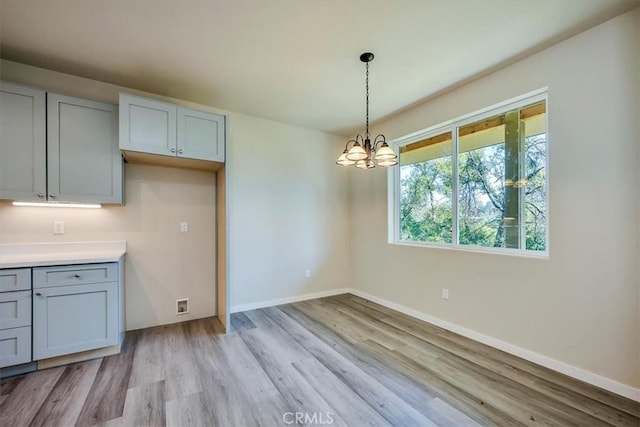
367,86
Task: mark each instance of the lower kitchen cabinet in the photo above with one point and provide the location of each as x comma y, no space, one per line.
15,316
71,319
73,309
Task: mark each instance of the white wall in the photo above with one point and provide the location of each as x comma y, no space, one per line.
581,306
288,208
286,203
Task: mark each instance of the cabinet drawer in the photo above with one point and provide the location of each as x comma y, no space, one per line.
70,319
15,309
15,346
18,279
44,277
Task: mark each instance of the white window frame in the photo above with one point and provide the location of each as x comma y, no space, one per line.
393,177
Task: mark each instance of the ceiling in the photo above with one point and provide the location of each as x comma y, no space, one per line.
290,61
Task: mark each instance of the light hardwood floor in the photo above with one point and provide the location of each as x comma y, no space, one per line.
340,359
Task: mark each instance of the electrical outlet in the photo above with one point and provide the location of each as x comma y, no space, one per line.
307,274
58,227
182,306
184,227
445,293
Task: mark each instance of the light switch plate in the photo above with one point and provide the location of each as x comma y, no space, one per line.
184,227
58,227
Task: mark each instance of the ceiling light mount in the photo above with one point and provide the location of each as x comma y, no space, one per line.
367,57
363,152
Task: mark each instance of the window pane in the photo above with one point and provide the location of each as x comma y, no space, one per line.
426,190
501,180
536,192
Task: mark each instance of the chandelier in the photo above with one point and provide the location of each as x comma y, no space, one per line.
363,152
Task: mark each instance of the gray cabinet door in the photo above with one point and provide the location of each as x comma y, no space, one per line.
22,143
147,125
83,158
70,319
201,135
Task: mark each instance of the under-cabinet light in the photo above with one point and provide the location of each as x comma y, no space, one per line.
58,205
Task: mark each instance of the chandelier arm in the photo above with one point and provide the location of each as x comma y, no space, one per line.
380,139
355,141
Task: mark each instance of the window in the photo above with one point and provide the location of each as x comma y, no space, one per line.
478,182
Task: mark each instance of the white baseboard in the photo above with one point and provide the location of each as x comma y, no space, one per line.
288,300
564,368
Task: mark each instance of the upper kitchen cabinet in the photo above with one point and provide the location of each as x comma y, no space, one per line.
200,135
61,150
157,132
147,126
22,143
83,158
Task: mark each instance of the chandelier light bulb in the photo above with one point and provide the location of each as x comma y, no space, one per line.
357,152
387,162
365,164
343,161
385,153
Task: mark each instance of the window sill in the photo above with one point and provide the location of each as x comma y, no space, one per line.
476,249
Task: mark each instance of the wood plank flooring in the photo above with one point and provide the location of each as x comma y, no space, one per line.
332,361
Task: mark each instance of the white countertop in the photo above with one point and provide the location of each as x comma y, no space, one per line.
14,255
